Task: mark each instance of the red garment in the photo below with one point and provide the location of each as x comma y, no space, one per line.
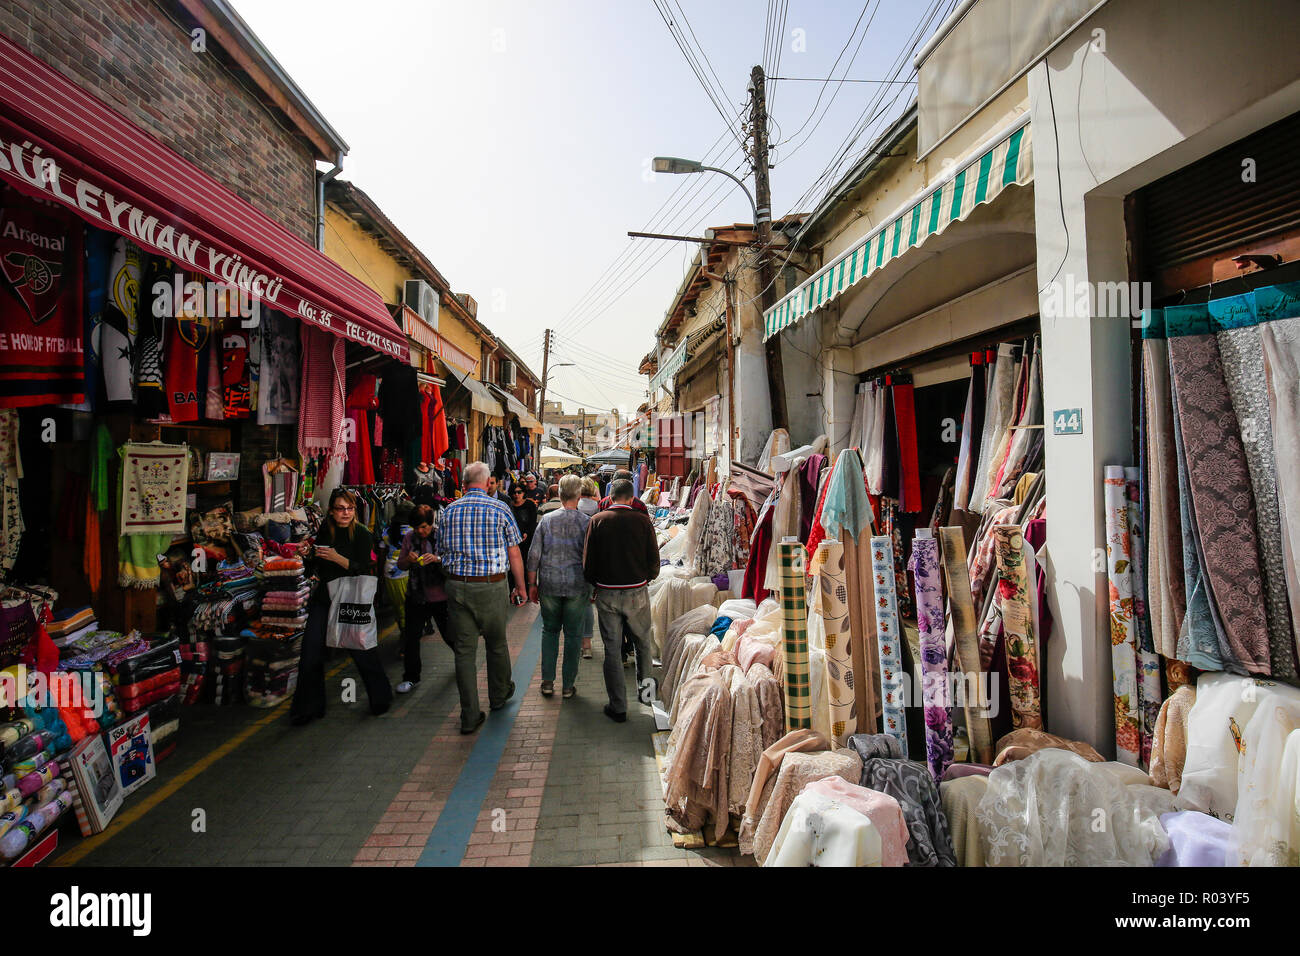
41,308
426,438
756,570
236,386
817,533
909,485
184,339
360,469
438,423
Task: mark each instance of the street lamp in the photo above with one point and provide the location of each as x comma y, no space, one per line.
677,166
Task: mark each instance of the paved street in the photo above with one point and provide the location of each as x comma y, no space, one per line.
543,783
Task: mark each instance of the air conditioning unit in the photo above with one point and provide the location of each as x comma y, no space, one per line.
508,373
422,299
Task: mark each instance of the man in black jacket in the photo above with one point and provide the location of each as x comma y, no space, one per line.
621,558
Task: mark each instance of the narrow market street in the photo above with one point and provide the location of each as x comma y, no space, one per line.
563,785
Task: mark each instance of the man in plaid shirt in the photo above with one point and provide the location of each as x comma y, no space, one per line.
478,541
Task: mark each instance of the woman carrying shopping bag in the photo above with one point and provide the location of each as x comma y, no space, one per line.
342,556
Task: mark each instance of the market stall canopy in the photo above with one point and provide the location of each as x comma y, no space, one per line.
1005,159
61,144
480,399
515,407
555,458
614,456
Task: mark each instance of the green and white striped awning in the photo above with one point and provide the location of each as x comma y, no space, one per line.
1008,162
670,367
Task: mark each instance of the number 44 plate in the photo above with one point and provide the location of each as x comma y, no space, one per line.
1067,421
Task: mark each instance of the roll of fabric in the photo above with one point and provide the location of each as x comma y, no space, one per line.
1017,625
888,636
965,642
846,515
794,632
1242,351
934,658
1199,640
1150,693
1168,602
833,600
1123,647
909,468
1281,343
1222,497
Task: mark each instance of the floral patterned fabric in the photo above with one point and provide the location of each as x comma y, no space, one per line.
934,659
1017,624
832,596
888,635
11,516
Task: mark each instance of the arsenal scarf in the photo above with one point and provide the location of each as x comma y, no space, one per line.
41,334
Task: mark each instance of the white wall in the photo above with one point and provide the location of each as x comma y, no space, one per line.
1176,80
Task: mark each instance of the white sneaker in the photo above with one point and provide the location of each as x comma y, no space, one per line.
405,687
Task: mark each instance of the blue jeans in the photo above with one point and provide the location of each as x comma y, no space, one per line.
567,613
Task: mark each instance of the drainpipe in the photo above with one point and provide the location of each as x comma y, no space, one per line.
321,180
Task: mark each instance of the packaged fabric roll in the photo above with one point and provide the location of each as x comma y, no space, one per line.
33,782
12,818
14,843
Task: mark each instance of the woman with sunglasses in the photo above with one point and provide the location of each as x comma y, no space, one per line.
343,547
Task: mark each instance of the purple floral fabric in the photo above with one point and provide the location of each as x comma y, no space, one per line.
934,658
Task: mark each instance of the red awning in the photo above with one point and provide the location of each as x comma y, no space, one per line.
60,143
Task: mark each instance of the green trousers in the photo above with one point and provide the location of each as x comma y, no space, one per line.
479,608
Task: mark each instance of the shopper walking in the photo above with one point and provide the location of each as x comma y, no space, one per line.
343,547
621,558
426,596
589,504
557,582
478,542
608,500
525,515
534,493
552,502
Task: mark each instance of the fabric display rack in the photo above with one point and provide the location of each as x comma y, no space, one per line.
275,642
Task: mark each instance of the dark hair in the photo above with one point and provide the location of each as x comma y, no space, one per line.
330,524
620,489
623,474
423,514
517,489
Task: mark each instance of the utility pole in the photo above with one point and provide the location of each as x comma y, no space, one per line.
541,398
763,199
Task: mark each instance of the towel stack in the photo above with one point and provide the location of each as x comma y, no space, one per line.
284,597
71,625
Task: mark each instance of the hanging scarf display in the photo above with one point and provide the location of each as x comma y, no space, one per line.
41,308
888,636
117,328
924,566
184,339
278,389
794,633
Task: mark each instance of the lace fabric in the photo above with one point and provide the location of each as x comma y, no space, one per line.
1057,809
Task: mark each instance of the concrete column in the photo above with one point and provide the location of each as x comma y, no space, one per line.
839,383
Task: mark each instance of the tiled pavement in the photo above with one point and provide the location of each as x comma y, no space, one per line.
570,787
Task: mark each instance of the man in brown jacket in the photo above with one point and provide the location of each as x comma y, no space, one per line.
621,558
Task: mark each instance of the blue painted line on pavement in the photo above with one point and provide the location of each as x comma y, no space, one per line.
450,836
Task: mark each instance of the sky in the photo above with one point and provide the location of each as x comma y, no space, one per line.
511,141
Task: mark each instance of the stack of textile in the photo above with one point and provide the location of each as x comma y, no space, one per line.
271,670
235,577
229,671
284,595
143,676
88,651
195,663
70,625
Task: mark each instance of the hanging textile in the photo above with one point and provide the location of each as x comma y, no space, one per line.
279,390
1222,499
1148,663
965,643
909,476
924,566
794,633
11,515
888,637
831,596
846,515
321,408
1017,626
154,478
997,416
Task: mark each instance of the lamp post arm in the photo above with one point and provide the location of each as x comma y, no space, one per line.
739,182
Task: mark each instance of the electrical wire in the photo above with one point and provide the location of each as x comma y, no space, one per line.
843,50
680,39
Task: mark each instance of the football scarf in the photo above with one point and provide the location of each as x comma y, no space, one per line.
236,390
117,327
41,345
186,335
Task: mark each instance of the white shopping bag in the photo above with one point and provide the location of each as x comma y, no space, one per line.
352,613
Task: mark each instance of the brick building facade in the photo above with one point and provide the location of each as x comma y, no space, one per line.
137,57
